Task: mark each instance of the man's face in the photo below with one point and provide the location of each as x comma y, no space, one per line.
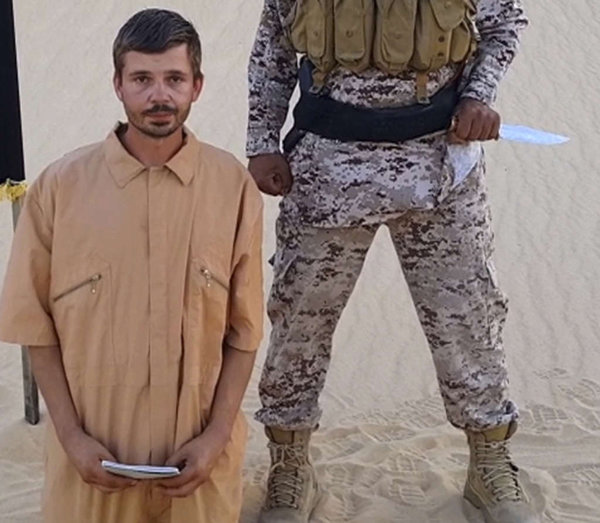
157,90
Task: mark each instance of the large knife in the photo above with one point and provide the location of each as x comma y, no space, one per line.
463,157
523,134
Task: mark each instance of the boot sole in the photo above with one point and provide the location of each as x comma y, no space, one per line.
470,496
315,503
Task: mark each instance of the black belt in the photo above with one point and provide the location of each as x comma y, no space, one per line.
321,115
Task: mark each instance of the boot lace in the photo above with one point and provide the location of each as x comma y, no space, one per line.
285,483
498,473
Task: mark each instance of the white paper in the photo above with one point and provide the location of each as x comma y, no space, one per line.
140,471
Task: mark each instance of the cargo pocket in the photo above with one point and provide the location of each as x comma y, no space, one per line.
205,320
82,311
435,24
354,29
311,32
393,45
497,306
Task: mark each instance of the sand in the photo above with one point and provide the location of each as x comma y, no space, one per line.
384,452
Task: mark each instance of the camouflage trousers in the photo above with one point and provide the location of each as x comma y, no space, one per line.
446,257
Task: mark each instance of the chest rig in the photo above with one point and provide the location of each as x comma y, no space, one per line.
392,35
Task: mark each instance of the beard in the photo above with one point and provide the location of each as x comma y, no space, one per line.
158,129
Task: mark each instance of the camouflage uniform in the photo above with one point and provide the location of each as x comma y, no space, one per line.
343,192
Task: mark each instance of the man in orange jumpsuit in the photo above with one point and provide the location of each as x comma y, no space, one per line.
135,280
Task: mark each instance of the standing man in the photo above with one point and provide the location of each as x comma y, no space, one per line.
135,280
381,83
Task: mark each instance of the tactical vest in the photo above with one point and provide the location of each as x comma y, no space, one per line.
392,35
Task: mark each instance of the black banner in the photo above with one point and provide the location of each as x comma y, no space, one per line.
11,140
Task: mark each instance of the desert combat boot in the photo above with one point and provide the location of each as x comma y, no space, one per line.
292,489
493,481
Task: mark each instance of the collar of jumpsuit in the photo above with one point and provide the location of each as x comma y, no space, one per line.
124,167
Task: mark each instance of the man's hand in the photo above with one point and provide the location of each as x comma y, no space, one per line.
195,459
271,173
474,121
86,454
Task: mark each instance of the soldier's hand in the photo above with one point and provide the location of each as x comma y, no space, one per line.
271,172
86,454
474,121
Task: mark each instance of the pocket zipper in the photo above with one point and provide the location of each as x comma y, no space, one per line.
208,276
93,281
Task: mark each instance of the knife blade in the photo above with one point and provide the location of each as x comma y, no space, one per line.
524,134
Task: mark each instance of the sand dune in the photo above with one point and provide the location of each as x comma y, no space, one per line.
385,451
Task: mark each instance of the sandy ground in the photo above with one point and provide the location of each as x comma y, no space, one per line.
384,452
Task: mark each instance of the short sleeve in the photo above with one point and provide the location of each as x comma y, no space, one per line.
246,291
25,316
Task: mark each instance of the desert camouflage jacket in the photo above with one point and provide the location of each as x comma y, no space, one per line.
273,70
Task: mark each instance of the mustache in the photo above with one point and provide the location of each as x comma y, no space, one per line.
160,109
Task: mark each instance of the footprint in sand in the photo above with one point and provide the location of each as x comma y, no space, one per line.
582,475
540,418
339,443
372,417
387,433
351,477
422,414
552,374
343,506
412,495
406,463
590,421
585,391
415,415
256,475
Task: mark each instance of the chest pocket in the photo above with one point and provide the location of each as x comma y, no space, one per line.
311,32
354,27
82,312
444,33
394,34
205,322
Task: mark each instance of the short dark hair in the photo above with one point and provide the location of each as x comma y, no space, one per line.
155,31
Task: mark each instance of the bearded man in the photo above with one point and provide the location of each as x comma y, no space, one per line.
135,281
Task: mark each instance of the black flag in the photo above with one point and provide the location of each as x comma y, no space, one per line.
12,170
